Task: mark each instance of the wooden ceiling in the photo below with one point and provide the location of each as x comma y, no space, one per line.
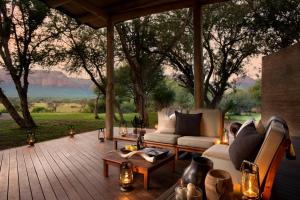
97,13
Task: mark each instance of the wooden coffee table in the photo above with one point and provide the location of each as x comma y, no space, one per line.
139,164
128,138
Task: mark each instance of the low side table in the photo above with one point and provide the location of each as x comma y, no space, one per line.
140,165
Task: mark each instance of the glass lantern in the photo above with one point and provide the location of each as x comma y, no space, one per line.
250,180
126,176
225,137
123,129
101,135
31,137
72,131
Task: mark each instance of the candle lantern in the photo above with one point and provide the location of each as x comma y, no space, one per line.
72,131
123,128
101,134
31,137
225,137
126,176
250,180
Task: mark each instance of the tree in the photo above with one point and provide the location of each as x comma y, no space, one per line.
163,96
24,32
276,23
145,42
227,45
98,94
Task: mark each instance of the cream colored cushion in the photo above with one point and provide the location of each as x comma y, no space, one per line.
211,124
163,138
166,124
273,139
196,141
218,151
227,166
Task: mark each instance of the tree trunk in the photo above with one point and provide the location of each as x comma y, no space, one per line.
11,110
141,107
96,107
118,107
25,111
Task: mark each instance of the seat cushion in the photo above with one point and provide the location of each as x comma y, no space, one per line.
218,151
163,138
228,166
196,141
188,124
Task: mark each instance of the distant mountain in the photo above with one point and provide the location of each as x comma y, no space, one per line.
49,84
245,82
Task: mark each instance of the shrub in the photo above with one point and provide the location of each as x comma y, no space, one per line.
39,110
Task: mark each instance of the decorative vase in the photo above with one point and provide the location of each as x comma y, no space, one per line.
196,172
218,185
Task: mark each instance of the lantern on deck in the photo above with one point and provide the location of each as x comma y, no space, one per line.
31,137
225,137
123,128
126,176
72,131
250,180
101,134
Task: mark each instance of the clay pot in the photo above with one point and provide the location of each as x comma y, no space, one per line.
218,185
196,172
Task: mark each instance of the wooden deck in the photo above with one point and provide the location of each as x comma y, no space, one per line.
71,168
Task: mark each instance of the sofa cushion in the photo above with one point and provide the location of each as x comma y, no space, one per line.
246,145
165,124
188,124
212,123
196,141
163,138
218,151
228,166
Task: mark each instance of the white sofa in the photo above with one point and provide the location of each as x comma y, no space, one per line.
211,126
268,157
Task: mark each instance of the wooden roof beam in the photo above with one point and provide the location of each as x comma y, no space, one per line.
139,12
93,10
57,3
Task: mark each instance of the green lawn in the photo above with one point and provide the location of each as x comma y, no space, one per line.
243,118
55,125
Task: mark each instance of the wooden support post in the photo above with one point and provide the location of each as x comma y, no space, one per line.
198,56
109,104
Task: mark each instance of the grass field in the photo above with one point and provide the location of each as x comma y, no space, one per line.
55,125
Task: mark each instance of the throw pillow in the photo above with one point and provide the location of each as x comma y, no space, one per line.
246,145
165,124
187,124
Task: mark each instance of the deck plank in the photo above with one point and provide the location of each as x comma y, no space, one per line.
72,179
4,173
56,185
68,188
25,190
13,187
36,189
43,179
